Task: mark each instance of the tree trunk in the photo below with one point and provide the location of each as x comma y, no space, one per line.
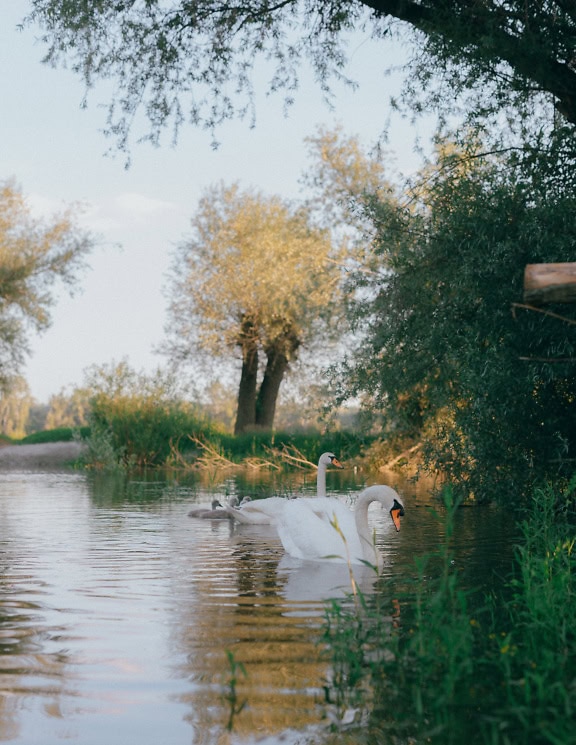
550,283
279,355
276,366
246,411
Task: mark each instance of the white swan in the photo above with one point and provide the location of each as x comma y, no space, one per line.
217,512
335,532
265,511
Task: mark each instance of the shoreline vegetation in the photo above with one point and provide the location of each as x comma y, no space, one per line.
127,445
425,661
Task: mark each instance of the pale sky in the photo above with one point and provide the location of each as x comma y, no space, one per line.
55,151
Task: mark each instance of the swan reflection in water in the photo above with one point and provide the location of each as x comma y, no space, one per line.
308,582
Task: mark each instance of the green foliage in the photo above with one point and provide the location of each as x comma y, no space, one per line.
101,451
137,420
60,434
143,431
426,668
491,387
193,61
258,444
34,255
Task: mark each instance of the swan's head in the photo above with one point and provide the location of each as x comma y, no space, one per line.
215,504
388,498
329,459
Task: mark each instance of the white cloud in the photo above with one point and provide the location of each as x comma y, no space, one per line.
139,205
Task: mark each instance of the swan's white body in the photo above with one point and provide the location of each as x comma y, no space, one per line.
266,511
331,531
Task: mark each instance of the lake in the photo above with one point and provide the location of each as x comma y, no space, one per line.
124,620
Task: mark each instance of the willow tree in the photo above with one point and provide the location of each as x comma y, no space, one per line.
255,281
192,61
35,255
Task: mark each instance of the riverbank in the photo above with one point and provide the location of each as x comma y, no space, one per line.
39,455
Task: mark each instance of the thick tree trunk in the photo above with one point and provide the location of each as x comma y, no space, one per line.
276,367
279,355
550,283
246,411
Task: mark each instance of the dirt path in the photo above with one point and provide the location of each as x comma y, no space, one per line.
39,456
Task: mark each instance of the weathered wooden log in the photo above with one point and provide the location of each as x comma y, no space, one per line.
550,283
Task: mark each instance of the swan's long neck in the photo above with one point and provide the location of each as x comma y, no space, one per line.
385,495
361,516
321,480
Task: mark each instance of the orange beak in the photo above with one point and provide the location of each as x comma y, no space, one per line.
336,462
396,518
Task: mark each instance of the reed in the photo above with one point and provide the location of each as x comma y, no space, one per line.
417,664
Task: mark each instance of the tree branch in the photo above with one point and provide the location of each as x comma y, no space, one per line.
482,21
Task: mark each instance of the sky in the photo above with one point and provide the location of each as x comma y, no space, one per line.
56,152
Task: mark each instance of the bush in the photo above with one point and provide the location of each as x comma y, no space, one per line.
143,431
61,434
448,355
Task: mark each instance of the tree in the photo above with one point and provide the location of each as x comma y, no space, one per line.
489,385
255,279
68,409
34,255
192,61
15,406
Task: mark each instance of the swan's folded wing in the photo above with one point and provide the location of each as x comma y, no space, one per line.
307,535
258,512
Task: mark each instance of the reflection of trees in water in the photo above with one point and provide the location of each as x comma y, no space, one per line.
28,668
34,663
232,600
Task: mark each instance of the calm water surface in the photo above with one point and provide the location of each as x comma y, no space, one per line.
117,611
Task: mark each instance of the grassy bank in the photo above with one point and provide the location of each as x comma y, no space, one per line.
430,663
139,432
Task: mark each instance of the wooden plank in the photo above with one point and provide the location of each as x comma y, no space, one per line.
550,283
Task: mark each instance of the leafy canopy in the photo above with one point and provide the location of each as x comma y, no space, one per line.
34,255
255,257
489,385
194,61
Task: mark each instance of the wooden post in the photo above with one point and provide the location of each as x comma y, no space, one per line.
550,283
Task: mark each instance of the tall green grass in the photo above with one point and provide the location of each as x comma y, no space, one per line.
312,444
141,431
145,430
60,434
431,663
